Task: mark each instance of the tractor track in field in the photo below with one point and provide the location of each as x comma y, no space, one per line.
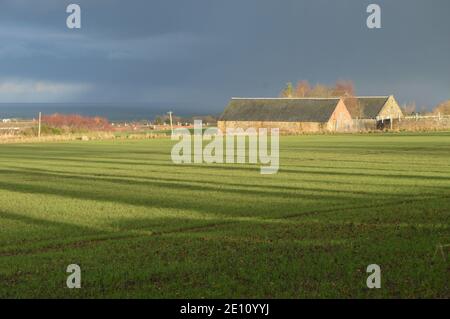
384,204
139,234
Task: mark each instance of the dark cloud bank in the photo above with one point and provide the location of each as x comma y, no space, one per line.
193,55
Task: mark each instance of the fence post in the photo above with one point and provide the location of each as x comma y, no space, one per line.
39,127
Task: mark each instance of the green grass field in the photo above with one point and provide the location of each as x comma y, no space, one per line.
140,226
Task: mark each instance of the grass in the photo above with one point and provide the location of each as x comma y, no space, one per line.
140,226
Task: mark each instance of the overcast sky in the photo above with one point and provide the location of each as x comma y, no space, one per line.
196,54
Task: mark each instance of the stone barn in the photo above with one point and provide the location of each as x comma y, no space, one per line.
290,115
373,112
373,107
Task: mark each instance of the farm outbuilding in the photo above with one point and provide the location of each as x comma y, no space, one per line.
373,112
374,107
290,115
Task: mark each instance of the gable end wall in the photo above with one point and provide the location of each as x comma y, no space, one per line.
341,119
390,109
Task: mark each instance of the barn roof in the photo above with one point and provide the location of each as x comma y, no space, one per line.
280,109
368,106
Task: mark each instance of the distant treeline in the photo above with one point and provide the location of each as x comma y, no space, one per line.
346,89
304,89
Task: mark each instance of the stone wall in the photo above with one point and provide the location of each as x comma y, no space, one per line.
285,127
420,124
289,127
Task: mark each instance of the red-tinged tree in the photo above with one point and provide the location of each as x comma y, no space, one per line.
77,122
343,88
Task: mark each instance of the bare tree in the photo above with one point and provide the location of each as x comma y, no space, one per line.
344,88
302,89
320,90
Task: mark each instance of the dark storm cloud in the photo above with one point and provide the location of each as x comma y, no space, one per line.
198,53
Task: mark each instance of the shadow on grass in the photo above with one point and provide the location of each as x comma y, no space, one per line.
46,223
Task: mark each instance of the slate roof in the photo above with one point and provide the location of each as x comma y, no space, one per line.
280,109
367,107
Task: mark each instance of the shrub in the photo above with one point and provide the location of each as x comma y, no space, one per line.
443,108
76,123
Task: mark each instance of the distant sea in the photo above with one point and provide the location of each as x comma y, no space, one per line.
111,111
